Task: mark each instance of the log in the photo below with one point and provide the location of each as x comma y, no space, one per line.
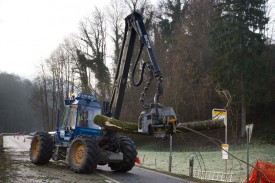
201,125
116,125
130,127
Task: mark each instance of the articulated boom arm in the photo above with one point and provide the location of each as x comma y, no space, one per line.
134,26
157,120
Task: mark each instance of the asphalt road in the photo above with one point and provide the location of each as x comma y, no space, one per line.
136,175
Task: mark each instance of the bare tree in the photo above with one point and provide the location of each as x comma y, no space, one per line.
52,85
42,93
116,14
93,33
78,61
136,5
60,66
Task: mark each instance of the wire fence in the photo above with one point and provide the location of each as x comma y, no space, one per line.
208,165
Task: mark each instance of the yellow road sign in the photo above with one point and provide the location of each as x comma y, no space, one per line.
220,114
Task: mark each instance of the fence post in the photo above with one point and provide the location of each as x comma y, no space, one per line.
191,165
170,156
143,159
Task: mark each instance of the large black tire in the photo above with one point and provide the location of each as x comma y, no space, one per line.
129,150
83,155
41,150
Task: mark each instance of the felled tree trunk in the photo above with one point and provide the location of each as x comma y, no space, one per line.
130,127
201,125
116,125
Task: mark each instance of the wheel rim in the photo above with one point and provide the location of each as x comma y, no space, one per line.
35,149
78,153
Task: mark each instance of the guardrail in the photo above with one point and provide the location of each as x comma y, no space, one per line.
9,134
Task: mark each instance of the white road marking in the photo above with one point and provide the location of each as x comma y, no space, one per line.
110,179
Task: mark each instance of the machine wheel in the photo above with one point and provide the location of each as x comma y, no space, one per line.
41,149
128,148
83,154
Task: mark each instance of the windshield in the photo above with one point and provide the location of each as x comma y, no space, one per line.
86,117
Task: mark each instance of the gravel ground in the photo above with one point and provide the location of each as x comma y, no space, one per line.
15,166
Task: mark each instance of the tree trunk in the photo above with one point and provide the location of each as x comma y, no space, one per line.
130,127
201,125
53,102
47,121
116,125
243,122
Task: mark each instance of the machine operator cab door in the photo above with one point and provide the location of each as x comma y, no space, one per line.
68,121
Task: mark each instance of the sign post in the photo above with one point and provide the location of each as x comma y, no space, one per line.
218,114
248,129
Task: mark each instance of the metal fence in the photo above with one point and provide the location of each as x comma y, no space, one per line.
216,176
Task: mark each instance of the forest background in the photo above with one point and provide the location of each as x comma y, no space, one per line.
212,53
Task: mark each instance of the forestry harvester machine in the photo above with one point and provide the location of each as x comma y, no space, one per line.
87,133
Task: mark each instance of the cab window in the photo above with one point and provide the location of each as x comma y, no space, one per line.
86,117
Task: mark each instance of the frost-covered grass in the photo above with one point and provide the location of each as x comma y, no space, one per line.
206,159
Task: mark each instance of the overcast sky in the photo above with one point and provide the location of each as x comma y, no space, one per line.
31,29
